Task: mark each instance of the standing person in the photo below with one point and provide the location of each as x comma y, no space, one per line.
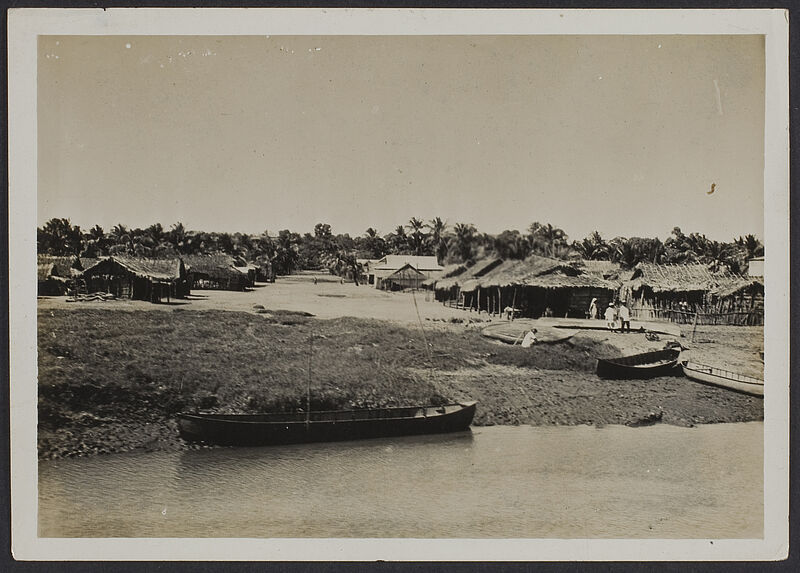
624,318
611,316
593,310
509,313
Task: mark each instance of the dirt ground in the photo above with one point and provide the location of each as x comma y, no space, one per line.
329,298
513,385
734,348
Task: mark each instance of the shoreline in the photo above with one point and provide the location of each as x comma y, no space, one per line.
108,389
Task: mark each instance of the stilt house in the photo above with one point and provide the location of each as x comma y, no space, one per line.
685,293
538,286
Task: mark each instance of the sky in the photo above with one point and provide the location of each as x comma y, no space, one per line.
624,135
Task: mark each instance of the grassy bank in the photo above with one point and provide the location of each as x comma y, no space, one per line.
112,381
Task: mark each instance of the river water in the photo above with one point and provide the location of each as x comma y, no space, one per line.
493,482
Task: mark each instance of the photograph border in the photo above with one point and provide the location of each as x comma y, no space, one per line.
25,25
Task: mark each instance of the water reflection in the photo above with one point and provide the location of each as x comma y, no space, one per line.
492,482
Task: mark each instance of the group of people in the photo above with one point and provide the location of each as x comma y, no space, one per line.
617,315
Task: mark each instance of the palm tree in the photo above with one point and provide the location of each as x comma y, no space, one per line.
547,240
511,245
177,236
59,237
593,247
398,241
121,236
751,246
464,241
623,252
437,238
416,238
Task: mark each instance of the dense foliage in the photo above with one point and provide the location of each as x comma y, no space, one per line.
288,251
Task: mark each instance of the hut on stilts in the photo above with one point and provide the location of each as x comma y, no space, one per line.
449,288
537,286
694,292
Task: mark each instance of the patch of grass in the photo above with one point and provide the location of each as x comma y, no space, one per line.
112,380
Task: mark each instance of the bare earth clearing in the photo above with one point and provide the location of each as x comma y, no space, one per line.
113,374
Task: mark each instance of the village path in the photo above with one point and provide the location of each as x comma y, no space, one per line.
328,298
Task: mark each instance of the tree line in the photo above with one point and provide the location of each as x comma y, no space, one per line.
322,249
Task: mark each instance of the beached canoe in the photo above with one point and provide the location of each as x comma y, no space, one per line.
325,426
660,327
514,332
724,378
645,365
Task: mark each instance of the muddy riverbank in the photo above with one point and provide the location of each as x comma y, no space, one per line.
112,380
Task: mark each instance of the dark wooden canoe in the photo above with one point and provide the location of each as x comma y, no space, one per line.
329,426
645,365
724,378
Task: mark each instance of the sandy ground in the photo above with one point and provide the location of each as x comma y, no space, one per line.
329,298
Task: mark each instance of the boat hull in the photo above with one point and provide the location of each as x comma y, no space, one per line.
718,377
278,429
638,366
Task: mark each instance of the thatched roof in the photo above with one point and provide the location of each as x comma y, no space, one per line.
157,269
203,263
87,262
61,266
44,271
736,286
466,274
607,270
537,271
680,278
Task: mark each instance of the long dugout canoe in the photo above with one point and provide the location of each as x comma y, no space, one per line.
328,426
723,378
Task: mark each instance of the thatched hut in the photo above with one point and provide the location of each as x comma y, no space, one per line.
685,293
137,278
448,288
449,271
217,272
55,274
406,277
538,286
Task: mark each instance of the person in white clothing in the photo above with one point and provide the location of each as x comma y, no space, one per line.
530,338
624,318
611,316
593,310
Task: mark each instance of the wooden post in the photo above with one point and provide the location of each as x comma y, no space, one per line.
694,328
514,303
308,387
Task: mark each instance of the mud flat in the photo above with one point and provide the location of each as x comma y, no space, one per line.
111,378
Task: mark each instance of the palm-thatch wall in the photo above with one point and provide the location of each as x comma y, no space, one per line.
534,287
217,272
143,279
685,293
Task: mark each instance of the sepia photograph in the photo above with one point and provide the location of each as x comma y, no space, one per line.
407,284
